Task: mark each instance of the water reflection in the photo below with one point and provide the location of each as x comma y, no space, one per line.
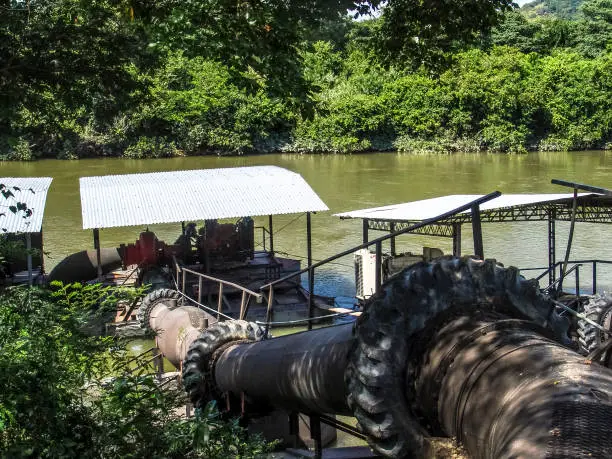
347,183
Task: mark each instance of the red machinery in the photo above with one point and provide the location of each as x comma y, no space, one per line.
147,250
215,241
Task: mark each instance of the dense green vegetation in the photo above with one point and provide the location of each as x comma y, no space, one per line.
58,398
68,392
201,77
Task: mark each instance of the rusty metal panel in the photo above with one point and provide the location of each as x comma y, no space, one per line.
31,191
167,197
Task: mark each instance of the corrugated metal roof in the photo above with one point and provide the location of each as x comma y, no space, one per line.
429,208
166,197
31,191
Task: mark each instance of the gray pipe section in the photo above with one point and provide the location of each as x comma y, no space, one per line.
302,372
506,391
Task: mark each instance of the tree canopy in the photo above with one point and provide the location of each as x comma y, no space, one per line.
151,79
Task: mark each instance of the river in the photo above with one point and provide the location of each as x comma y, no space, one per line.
347,182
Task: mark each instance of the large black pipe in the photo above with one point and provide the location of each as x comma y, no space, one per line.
83,265
505,390
457,347
301,372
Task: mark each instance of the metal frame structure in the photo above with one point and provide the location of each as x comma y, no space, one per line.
31,191
590,208
176,196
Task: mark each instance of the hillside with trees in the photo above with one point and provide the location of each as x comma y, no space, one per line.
563,9
138,80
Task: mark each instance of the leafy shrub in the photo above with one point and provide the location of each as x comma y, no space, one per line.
55,402
442,145
19,150
195,103
156,147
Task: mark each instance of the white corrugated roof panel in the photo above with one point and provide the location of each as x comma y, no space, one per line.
33,192
429,208
167,197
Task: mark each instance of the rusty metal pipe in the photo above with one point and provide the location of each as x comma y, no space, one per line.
175,327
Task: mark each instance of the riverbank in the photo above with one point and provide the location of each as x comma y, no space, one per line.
404,144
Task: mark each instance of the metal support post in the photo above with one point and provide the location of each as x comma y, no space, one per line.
270,227
477,232
552,216
365,230
308,239
310,297
378,274
42,252
200,286
457,239
243,302
310,271
294,426
315,434
594,277
570,239
29,255
158,362
96,236
220,302
269,310
392,240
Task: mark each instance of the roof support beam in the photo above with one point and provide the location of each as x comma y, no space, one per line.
457,239
271,229
96,237
551,247
29,252
310,271
477,232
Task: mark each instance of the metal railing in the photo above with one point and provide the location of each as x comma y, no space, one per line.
474,206
576,266
181,282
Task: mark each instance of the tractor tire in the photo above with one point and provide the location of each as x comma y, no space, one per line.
150,300
198,366
380,373
599,310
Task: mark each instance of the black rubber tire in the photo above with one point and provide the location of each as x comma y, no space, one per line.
386,344
150,300
198,366
599,310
